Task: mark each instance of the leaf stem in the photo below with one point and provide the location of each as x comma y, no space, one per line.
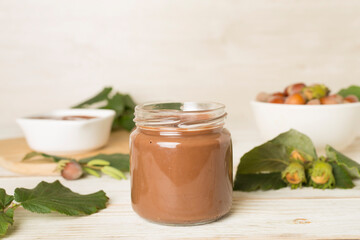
15,205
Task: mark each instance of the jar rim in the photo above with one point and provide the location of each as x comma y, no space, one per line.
185,107
184,115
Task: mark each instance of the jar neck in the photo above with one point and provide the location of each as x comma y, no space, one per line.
160,131
180,116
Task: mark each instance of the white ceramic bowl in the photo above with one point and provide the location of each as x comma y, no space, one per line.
70,136
337,125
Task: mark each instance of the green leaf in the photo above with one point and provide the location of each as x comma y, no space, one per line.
271,158
47,197
32,155
268,157
263,181
5,200
6,216
352,90
129,102
293,139
91,172
123,105
351,166
101,96
6,219
125,121
342,177
116,103
116,160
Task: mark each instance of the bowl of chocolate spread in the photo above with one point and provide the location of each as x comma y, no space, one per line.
181,163
67,131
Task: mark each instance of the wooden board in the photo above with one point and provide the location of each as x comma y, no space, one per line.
13,150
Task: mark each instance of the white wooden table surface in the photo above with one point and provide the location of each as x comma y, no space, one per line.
280,214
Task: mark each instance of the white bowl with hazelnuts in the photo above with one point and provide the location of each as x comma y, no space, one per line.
326,118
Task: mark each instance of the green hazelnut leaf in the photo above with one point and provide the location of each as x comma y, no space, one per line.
352,90
268,157
122,104
116,160
273,156
125,121
261,167
295,140
39,155
351,166
47,197
129,102
6,220
116,103
6,214
5,200
342,177
262,181
101,96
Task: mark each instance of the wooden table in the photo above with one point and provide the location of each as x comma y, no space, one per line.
281,214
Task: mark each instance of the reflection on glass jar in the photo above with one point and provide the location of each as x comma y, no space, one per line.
181,163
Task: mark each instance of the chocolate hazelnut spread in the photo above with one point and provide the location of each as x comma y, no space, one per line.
181,164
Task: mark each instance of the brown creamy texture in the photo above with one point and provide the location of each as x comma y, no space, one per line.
181,179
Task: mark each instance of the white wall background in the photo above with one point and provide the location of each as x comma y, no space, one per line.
54,54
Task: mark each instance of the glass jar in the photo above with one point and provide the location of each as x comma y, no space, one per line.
181,163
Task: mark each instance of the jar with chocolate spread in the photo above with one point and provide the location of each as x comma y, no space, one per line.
181,163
